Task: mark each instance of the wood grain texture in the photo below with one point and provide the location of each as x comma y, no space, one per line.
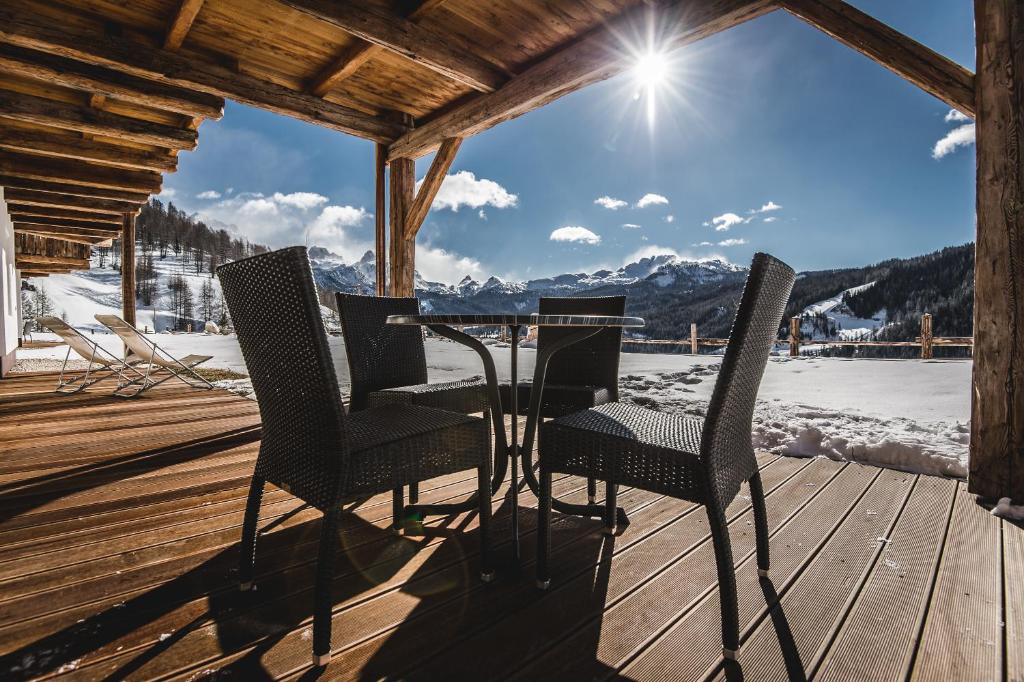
34,187
68,147
904,56
431,184
402,250
67,202
44,169
128,269
380,217
997,406
183,18
113,218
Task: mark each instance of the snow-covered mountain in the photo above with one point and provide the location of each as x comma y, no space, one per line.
832,318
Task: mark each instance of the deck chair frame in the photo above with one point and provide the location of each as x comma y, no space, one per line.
148,352
111,366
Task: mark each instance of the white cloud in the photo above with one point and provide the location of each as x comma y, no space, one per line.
770,219
655,250
482,214
732,242
706,224
611,203
464,189
651,199
631,226
669,218
955,116
167,193
725,221
303,200
439,265
575,233
961,136
209,194
770,206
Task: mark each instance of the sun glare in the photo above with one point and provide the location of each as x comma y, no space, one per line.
651,69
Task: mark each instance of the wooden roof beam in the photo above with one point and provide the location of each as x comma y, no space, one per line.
45,169
75,74
25,274
183,18
92,45
41,259
357,54
129,196
74,238
592,58
431,184
27,210
67,201
407,39
31,109
904,56
71,223
63,146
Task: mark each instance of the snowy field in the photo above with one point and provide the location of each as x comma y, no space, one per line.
906,414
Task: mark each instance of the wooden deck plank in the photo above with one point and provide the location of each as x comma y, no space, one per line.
888,614
1013,577
963,633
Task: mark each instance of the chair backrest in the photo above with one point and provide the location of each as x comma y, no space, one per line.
276,314
380,355
593,361
725,445
136,342
75,340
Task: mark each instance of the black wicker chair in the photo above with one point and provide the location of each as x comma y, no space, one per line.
388,364
585,374
702,461
310,447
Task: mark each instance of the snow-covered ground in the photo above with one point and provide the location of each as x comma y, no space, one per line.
907,414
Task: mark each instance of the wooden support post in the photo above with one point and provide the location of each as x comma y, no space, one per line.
403,250
693,338
926,336
794,336
997,405
128,268
380,218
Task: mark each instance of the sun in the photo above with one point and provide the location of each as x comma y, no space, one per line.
651,69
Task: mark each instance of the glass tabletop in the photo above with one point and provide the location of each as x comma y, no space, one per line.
503,319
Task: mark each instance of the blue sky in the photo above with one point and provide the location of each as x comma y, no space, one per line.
770,114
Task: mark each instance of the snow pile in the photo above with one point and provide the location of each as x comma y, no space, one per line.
1006,510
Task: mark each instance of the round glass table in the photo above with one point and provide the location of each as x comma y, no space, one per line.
585,327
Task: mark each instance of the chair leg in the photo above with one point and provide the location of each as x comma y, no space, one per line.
760,523
591,489
726,581
483,492
397,507
324,579
247,555
544,529
414,493
611,491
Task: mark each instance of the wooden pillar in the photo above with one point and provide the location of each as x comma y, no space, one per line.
380,218
997,405
693,338
403,249
926,336
128,268
794,336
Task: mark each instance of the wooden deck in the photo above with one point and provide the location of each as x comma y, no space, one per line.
119,522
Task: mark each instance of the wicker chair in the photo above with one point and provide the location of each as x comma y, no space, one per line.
585,374
310,447
702,461
388,364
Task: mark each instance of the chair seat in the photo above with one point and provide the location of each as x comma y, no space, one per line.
628,445
398,444
558,399
467,396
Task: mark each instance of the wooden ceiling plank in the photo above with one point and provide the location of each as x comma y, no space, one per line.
349,61
21,28
431,184
67,201
65,236
40,259
423,46
592,58
90,78
26,210
48,144
183,18
74,223
48,169
84,119
904,56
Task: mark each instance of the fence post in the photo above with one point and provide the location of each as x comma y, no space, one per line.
794,336
926,336
693,338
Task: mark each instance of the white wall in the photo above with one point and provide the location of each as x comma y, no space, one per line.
9,290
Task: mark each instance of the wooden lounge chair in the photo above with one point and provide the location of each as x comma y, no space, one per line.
155,358
89,350
699,460
310,446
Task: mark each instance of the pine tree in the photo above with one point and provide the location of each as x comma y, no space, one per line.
206,300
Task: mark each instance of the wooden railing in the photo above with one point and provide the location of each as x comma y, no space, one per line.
926,341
